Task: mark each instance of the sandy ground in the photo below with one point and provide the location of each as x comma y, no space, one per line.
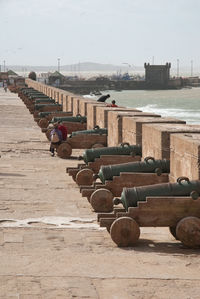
50,243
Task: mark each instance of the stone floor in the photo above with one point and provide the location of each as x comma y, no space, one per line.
50,243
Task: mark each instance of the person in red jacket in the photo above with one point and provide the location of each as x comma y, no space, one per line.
63,129
113,104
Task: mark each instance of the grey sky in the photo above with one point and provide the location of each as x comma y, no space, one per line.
37,32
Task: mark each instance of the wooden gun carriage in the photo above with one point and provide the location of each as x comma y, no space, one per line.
180,214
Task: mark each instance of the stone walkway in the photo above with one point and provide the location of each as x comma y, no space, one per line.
50,244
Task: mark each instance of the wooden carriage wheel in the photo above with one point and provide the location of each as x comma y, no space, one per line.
188,231
64,150
35,114
172,230
125,231
43,123
84,177
102,200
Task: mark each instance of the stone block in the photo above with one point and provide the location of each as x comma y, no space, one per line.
65,103
83,106
156,138
60,98
115,124
185,156
91,114
102,114
76,101
69,103
132,127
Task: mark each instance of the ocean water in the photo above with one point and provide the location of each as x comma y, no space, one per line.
183,104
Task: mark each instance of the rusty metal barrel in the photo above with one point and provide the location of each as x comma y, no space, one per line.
149,165
81,119
124,149
183,187
96,130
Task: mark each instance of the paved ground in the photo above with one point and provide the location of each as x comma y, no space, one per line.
50,244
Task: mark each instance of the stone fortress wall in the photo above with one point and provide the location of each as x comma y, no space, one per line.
160,137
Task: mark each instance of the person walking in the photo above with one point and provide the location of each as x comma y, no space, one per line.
56,139
5,86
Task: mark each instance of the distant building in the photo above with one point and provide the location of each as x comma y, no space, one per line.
157,76
56,79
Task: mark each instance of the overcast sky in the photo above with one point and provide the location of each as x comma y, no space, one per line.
38,32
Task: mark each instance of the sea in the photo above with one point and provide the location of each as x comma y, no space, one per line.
183,104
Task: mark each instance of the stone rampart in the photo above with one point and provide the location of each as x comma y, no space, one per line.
161,138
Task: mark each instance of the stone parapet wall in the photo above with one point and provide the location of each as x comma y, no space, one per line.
102,114
83,103
161,138
156,138
115,124
185,156
91,114
132,127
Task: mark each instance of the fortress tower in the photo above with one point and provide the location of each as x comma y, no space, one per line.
157,76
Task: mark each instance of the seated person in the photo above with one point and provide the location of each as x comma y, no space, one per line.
112,104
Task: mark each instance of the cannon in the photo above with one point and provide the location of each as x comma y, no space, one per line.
148,165
80,141
44,118
73,123
128,175
96,130
181,214
183,187
29,95
46,107
124,149
96,157
77,119
40,101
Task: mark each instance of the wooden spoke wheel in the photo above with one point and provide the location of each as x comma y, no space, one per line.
64,150
102,200
97,145
43,123
85,177
188,231
35,114
125,231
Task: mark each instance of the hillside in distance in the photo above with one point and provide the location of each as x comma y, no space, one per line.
83,66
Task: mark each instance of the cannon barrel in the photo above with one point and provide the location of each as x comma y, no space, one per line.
183,187
94,131
124,149
51,113
149,165
37,95
82,119
40,106
45,100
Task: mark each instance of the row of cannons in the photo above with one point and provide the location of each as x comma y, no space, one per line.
126,192
46,112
